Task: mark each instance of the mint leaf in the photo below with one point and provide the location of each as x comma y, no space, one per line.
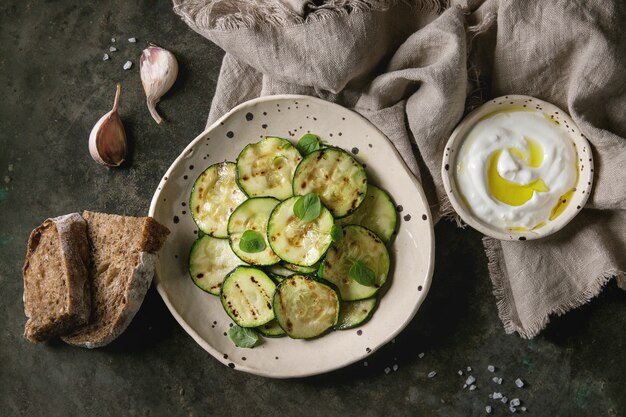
308,207
251,242
308,143
336,233
243,338
362,274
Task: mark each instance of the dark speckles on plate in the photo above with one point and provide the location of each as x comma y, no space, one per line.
175,219
355,150
424,217
399,208
249,116
230,134
407,217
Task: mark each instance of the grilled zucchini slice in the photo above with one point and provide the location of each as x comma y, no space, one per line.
214,196
357,244
296,241
253,214
355,313
335,176
377,213
266,168
247,296
305,308
210,260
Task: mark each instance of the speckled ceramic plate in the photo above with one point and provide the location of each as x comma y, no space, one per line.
556,116
412,251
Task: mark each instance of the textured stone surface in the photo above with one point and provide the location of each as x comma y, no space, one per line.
56,86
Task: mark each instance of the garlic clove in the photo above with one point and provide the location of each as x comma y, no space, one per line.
158,69
107,141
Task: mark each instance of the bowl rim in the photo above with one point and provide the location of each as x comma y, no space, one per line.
583,149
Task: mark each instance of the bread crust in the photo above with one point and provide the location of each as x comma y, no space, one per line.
68,234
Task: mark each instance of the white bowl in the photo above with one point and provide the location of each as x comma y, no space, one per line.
584,155
412,251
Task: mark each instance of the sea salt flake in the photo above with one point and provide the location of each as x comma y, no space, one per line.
459,372
469,369
470,380
132,40
395,368
504,400
497,395
497,380
387,370
105,57
472,387
127,65
421,355
515,402
464,386
113,40
488,409
490,395
523,408
431,374
112,49
512,409
491,368
519,383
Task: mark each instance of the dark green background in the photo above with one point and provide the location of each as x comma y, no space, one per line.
54,88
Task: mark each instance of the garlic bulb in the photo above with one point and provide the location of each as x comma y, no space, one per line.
107,141
158,68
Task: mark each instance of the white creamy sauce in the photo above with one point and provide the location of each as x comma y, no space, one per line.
536,167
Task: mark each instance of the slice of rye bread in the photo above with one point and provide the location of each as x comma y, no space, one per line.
57,297
123,251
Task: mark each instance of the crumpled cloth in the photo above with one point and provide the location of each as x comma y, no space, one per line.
414,68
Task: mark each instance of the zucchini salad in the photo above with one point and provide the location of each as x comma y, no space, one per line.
293,239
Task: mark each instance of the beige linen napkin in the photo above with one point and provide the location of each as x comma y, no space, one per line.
405,68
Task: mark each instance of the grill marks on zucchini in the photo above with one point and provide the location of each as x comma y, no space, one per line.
335,176
357,244
377,213
247,296
295,241
266,168
305,308
210,260
215,195
253,214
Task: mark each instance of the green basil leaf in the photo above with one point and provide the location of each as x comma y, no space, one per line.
336,233
308,143
242,337
251,242
308,207
362,274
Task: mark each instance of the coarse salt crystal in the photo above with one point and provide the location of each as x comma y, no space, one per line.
387,370
469,369
132,40
488,409
504,400
491,368
470,380
515,402
497,380
459,372
519,383
431,374
113,40
523,408
421,355
497,395
105,57
127,65
512,409
395,368
112,49
490,395
472,387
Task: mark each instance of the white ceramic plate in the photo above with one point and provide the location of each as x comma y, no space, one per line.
412,251
585,165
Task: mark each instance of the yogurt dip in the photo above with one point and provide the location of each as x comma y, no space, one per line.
516,169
